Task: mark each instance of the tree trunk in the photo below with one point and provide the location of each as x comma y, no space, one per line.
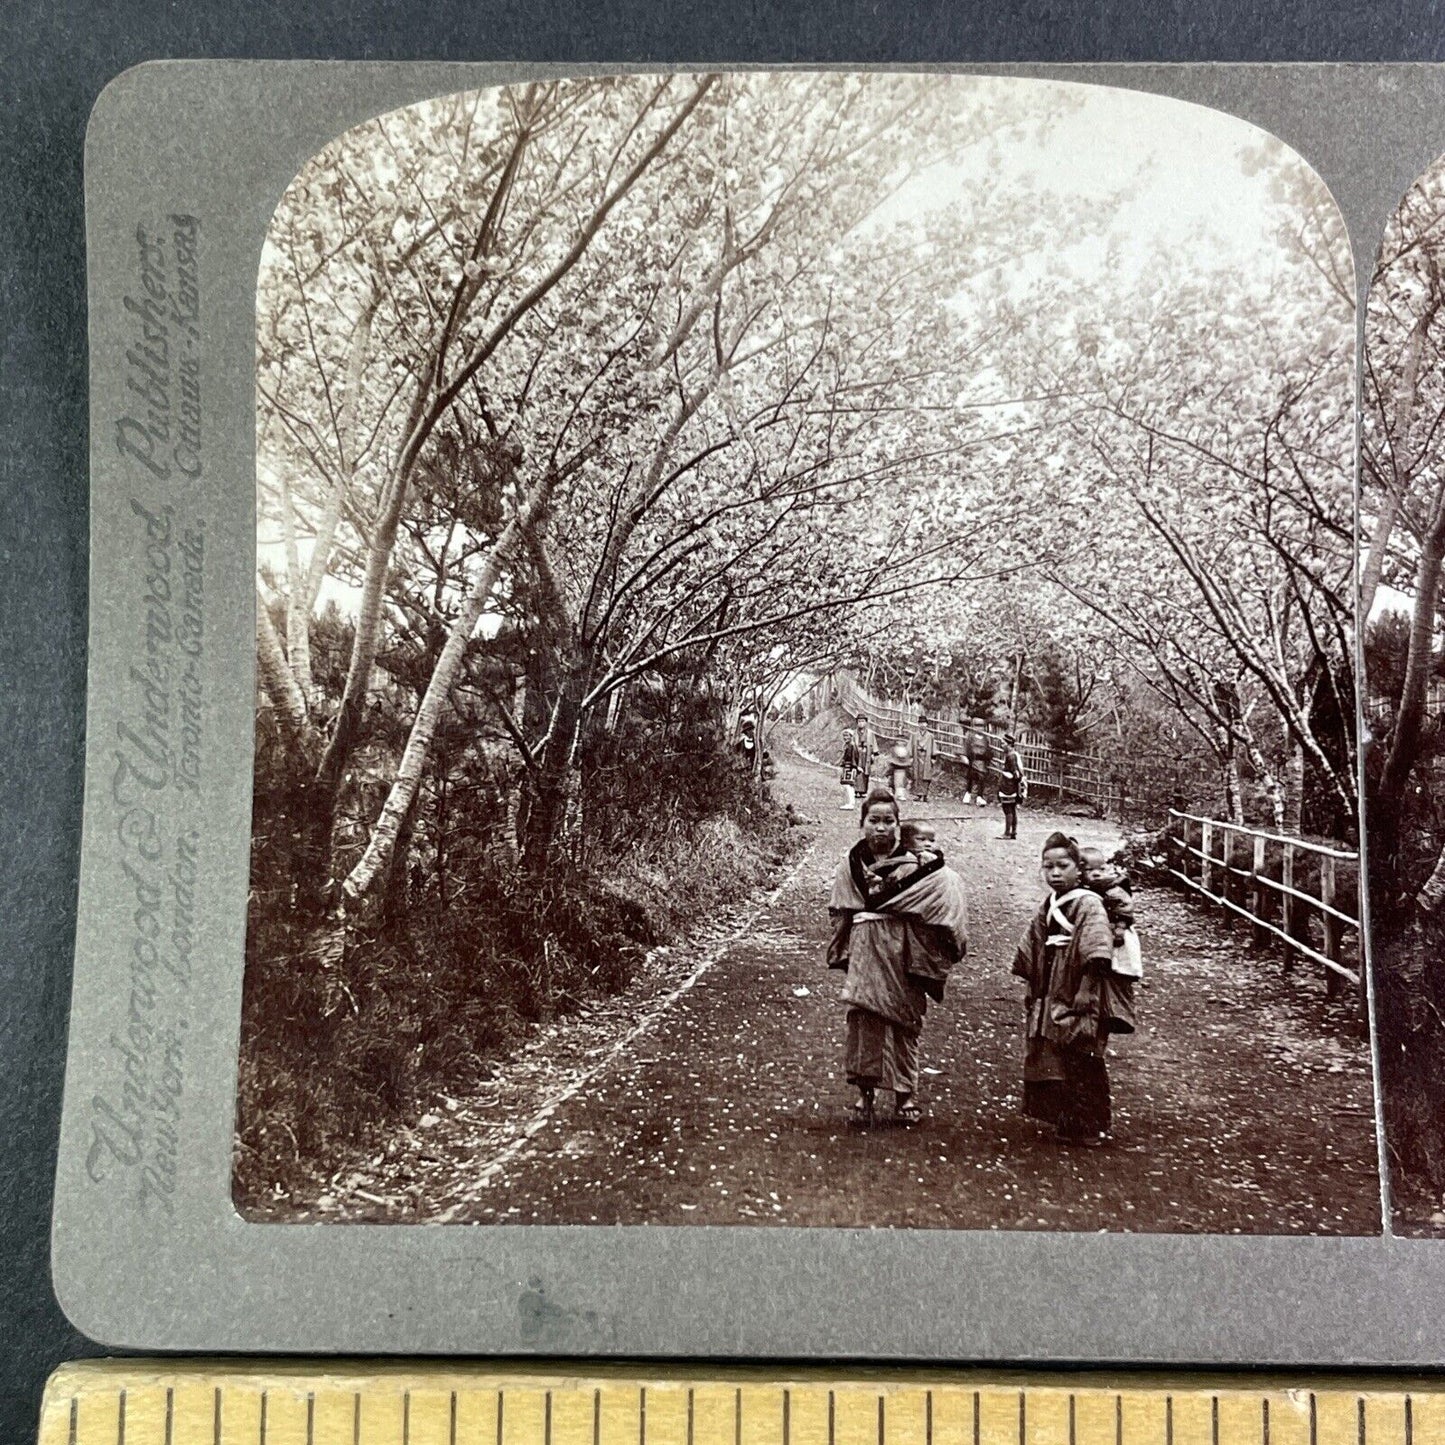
1431,896
1419,660
572,809
1278,811
513,826
394,883
1274,791
279,684
1294,788
1229,768
554,809
1406,397
298,616
442,822
383,839
1384,863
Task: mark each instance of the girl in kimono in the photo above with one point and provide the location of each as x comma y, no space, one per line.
876,941
923,745
847,772
855,764
1012,785
1065,958
865,746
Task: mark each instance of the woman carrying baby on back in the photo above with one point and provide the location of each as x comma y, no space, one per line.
899,924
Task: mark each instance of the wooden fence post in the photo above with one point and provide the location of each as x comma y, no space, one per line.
1331,925
1362,999
1222,877
1260,940
1287,904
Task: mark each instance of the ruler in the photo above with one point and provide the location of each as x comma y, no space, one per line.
137,1402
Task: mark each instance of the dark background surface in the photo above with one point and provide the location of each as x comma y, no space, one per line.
56,59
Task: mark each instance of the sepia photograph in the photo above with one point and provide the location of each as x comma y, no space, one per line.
805,668
1402,526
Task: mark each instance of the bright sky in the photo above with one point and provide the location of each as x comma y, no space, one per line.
1390,599
1183,165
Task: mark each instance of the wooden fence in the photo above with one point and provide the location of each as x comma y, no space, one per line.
1149,785
1301,895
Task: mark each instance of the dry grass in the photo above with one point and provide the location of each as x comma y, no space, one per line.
434,1001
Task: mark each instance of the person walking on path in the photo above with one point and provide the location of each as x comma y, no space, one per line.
879,923
900,765
848,769
978,753
1065,957
865,747
1013,786
855,763
923,742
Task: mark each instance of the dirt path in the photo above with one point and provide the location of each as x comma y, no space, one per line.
1242,1104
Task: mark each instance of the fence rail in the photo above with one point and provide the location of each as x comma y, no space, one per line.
1289,890
1069,776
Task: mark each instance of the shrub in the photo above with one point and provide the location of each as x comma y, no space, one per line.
333,1051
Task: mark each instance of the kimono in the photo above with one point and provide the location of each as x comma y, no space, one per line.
1011,780
1011,787
896,947
867,746
922,761
1073,1006
978,759
861,759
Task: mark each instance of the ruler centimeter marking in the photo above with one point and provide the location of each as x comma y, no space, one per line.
168,1403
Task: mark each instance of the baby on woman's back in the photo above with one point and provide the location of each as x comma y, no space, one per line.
918,854
929,951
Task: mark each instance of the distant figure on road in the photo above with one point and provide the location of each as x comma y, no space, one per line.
1065,958
923,742
978,754
895,938
855,763
1013,786
900,765
865,746
849,766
